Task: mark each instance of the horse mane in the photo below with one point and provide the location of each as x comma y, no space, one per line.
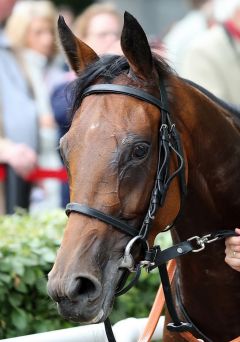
108,67
233,109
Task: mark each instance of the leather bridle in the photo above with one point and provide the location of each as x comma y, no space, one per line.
169,144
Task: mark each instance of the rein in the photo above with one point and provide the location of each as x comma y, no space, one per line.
169,143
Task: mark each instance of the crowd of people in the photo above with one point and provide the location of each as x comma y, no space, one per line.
34,77
33,104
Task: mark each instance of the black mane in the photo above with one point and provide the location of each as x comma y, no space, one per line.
233,109
108,67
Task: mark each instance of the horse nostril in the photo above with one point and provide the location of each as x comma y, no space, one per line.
85,287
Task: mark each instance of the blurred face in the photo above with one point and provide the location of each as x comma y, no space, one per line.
40,36
103,31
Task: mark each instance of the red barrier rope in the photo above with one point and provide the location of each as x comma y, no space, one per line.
39,174
2,173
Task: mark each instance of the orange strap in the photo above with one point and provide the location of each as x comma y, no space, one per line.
157,307
157,310
189,336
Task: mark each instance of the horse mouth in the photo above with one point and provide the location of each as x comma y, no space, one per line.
86,298
75,315
89,312
73,311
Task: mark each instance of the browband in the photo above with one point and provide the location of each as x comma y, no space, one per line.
120,89
83,209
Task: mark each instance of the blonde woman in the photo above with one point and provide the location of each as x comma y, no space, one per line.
31,30
99,26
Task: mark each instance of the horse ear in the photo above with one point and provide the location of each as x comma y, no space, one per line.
78,53
135,47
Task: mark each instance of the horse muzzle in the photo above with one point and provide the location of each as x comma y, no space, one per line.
78,297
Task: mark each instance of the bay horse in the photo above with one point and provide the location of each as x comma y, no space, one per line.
122,107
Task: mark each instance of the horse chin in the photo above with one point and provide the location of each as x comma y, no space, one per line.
87,311
72,312
92,313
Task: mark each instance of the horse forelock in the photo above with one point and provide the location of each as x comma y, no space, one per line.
107,68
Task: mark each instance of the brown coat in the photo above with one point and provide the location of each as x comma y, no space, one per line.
213,63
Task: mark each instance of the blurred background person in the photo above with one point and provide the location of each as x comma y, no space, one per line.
99,26
18,124
186,30
213,61
31,28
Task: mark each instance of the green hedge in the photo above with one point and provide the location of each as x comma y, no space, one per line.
28,245
27,250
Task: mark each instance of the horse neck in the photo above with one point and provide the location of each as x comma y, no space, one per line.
212,145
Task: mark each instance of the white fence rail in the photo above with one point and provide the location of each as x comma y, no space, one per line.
128,330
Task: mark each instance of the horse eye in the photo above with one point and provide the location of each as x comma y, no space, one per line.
140,151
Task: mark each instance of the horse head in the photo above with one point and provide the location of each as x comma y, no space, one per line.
111,152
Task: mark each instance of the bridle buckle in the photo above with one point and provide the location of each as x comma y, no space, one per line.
127,259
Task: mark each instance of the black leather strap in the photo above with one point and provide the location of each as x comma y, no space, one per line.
120,89
85,210
158,257
109,332
186,316
177,325
222,234
122,290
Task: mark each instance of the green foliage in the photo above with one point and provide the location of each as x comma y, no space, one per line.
28,245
